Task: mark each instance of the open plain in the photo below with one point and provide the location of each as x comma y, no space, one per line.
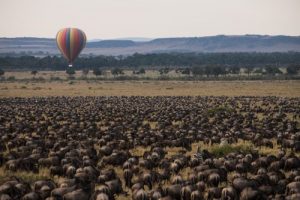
150,88
149,139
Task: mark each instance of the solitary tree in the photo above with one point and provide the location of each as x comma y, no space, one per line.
142,71
218,70
208,70
197,71
117,71
272,70
248,70
292,69
34,72
164,70
70,71
97,72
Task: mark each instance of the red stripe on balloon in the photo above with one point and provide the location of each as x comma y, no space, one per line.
64,43
76,43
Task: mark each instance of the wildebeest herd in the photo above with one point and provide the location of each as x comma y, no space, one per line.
89,145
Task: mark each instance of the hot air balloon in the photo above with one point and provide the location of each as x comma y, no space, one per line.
70,42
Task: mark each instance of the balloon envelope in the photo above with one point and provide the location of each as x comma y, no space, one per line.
70,42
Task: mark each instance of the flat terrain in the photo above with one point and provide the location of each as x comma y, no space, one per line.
150,88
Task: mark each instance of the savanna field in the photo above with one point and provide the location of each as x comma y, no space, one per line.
58,83
149,139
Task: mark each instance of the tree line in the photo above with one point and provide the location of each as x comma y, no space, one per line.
173,60
200,71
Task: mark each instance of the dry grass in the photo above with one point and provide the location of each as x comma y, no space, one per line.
139,151
151,88
30,177
241,145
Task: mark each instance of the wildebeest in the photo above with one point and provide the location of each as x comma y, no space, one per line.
157,147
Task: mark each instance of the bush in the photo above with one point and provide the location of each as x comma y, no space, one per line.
97,72
218,110
29,177
55,78
186,71
124,78
117,71
37,88
70,71
224,150
197,71
163,71
34,72
292,69
38,79
11,78
2,72
142,71
71,78
272,70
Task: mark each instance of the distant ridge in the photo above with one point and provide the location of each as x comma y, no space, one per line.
219,43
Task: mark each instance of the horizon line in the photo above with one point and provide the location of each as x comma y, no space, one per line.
153,38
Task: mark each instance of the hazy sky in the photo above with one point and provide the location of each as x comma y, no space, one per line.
149,18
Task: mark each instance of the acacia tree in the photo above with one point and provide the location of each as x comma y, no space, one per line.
117,71
70,71
97,72
34,72
292,69
207,70
218,70
142,71
272,70
197,71
248,70
163,71
186,70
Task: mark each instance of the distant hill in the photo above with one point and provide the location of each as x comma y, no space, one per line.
220,43
111,44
